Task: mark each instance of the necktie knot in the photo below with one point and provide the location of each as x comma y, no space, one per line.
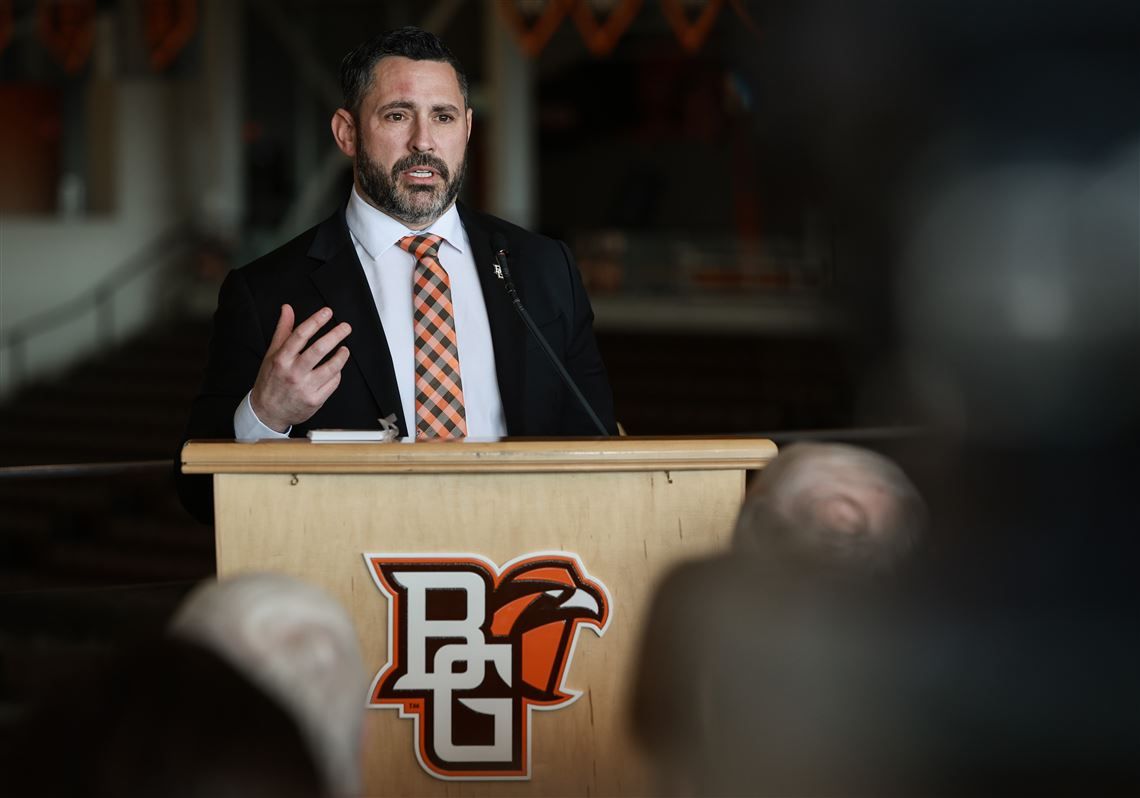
422,246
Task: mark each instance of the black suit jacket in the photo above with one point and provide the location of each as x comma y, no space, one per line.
320,268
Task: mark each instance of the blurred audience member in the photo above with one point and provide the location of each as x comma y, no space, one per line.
763,669
172,720
299,645
979,161
832,502
758,678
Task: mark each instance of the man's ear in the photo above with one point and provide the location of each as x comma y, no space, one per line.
344,132
470,117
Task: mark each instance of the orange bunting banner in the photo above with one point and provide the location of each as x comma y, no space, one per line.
169,25
67,29
601,39
691,35
533,28
6,23
745,17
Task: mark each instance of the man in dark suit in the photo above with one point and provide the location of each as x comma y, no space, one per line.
366,345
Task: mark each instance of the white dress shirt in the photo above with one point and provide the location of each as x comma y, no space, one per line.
388,269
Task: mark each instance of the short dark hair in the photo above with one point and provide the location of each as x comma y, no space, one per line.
357,68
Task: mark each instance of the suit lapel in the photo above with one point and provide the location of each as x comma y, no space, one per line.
340,281
508,336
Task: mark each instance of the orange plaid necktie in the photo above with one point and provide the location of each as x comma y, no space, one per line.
439,388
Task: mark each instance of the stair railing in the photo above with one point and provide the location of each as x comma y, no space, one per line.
98,299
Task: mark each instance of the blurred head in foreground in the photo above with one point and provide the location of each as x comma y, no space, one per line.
299,645
832,502
764,670
771,681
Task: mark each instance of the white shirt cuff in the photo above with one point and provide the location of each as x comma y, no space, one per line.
248,427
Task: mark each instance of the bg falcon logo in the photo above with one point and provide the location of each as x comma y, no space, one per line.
473,649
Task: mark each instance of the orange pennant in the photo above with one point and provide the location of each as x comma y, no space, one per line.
691,35
601,39
67,29
533,35
742,12
169,26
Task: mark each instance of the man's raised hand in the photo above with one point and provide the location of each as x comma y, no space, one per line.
290,385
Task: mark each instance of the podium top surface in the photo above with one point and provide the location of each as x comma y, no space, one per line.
506,455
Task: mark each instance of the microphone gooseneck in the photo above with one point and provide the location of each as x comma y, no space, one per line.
503,272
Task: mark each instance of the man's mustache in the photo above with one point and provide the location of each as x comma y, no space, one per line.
417,160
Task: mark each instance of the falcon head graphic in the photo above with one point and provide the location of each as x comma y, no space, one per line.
538,605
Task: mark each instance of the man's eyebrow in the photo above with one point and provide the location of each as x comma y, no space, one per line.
408,105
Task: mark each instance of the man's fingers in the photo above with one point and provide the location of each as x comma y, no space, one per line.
284,327
323,345
288,390
304,331
330,368
333,382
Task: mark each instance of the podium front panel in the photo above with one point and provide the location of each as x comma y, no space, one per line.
627,528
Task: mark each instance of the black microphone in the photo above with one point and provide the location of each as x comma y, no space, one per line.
503,272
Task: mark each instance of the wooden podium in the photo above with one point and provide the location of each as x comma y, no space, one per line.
629,508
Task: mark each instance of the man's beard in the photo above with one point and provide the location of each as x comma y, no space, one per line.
406,203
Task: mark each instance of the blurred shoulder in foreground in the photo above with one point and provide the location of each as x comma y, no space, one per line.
171,719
